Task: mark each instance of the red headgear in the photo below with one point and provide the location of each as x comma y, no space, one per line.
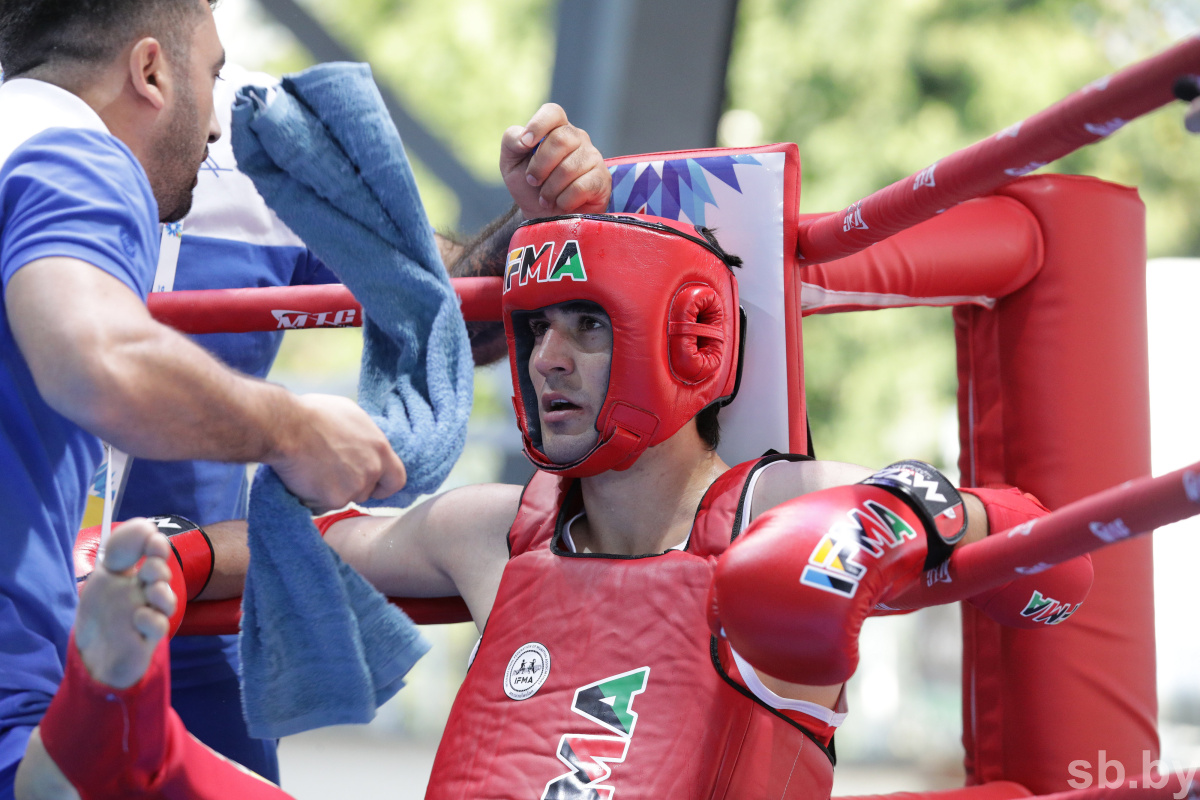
672,300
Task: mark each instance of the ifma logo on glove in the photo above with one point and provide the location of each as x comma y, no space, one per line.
872,529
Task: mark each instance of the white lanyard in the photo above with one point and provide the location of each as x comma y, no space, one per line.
168,257
114,477
117,467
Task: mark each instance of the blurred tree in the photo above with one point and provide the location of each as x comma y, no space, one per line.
468,69
873,92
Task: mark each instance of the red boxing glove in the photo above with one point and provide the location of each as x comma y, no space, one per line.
792,593
1041,598
191,568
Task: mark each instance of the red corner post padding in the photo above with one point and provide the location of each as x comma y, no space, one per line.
130,743
1053,397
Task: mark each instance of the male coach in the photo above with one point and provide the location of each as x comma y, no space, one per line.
107,114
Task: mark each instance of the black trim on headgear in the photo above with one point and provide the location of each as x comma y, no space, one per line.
737,379
710,236
705,240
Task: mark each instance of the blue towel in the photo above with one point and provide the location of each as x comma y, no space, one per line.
319,645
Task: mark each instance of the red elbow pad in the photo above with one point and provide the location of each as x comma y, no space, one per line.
1039,599
326,522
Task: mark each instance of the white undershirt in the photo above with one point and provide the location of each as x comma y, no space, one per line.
569,543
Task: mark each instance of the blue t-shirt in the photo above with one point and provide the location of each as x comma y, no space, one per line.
206,491
231,240
81,194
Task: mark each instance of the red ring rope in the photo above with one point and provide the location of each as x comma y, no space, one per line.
1123,512
1131,509
295,307
1086,116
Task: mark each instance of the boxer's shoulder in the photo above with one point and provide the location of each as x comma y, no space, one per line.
786,479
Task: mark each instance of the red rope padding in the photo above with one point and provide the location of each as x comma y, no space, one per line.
1084,117
219,617
1122,512
295,307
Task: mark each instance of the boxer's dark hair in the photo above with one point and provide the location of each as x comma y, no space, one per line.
709,427
36,33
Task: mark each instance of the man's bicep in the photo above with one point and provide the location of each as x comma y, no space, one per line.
784,481
64,314
452,544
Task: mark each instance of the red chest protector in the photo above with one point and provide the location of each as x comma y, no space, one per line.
598,676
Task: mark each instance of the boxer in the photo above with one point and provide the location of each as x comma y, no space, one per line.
655,621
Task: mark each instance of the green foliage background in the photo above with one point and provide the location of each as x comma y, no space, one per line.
871,91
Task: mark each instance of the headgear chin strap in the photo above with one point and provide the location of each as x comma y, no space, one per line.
672,301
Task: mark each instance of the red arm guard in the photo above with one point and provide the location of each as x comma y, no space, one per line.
130,742
193,551
1040,598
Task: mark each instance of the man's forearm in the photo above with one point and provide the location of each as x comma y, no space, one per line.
99,359
231,558
161,396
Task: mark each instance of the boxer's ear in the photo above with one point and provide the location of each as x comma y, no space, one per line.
696,333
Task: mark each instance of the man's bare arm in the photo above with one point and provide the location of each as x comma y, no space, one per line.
100,360
231,558
452,544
